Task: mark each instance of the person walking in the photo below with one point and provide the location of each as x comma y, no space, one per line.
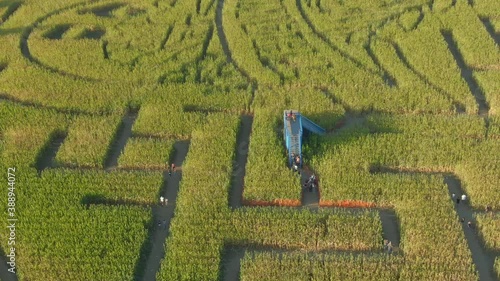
389,247
168,169
453,195
164,222
165,202
162,200
464,197
469,224
458,200
173,168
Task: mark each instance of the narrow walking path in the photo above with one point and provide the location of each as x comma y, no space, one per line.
483,260
4,97
5,274
329,43
233,254
483,107
25,50
310,197
118,144
162,215
491,30
224,43
46,157
231,263
239,166
459,107
390,227
386,76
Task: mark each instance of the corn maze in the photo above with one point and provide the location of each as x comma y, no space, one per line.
98,98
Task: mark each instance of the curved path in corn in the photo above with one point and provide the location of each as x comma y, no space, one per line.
25,50
223,41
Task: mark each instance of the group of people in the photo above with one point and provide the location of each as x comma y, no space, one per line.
463,198
296,162
311,183
163,201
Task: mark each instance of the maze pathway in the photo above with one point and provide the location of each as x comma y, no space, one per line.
483,260
164,214
233,255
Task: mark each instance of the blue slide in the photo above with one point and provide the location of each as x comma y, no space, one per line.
294,123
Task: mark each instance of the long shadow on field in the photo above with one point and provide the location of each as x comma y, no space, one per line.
386,76
240,162
348,57
230,266
459,107
224,43
483,260
99,199
467,74
491,30
25,50
45,158
7,98
12,7
153,249
233,253
123,133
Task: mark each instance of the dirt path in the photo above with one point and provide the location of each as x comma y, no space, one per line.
491,30
386,76
390,227
45,158
232,255
332,46
483,260
5,274
25,50
310,199
460,108
224,43
231,263
239,165
11,9
154,246
483,107
349,121
37,106
123,133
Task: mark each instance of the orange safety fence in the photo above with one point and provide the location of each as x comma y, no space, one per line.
275,202
347,204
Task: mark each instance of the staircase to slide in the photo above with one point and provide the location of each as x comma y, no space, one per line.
294,124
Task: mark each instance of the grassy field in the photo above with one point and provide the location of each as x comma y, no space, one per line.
99,98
